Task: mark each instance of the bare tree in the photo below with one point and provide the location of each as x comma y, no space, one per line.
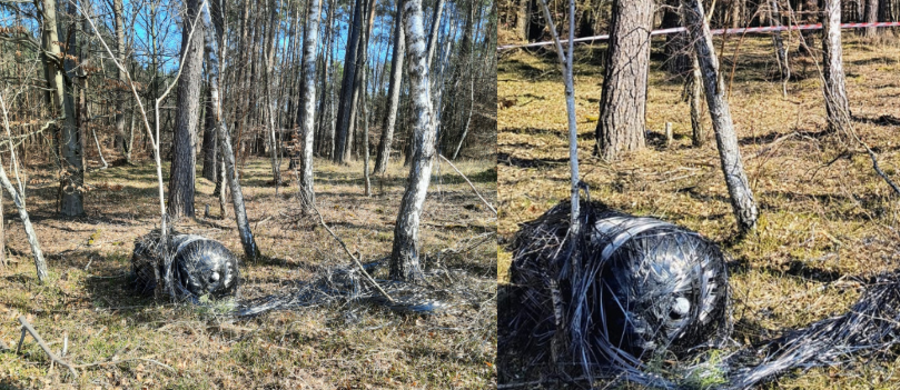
404,264
307,106
270,101
18,197
213,47
71,199
348,87
836,104
120,143
210,143
623,98
183,169
390,118
729,153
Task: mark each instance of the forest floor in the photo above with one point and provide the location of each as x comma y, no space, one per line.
159,344
825,216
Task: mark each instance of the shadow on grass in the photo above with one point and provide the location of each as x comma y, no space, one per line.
506,159
5,384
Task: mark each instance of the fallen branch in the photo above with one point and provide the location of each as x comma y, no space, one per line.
355,260
27,327
470,185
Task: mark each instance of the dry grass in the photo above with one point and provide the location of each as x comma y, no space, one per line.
354,346
824,219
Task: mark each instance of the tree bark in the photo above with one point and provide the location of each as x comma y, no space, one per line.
390,119
120,142
183,169
836,104
623,98
885,14
210,144
404,264
72,203
780,51
871,17
307,107
742,200
270,102
522,19
19,201
345,111
695,90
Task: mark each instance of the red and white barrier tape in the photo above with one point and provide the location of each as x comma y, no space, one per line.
665,31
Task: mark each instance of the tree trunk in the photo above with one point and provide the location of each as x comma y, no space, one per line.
210,144
72,198
836,103
885,14
251,251
307,107
19,200
348,84
730,154
270,102
120,143
780,51
390,118
736,11
183,169
39,261
404,264
871,17
103,164
522,19
435,30
623,98
695,92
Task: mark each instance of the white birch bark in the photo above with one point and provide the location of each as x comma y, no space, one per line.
19,201
404,264
729,153
307,106
836,103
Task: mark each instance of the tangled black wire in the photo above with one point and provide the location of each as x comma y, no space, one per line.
630,290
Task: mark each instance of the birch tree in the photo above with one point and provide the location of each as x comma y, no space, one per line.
18,198
307,106
404,263
742,201
836,104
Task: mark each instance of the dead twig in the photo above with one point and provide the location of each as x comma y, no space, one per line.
470,185
355,260
27,327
